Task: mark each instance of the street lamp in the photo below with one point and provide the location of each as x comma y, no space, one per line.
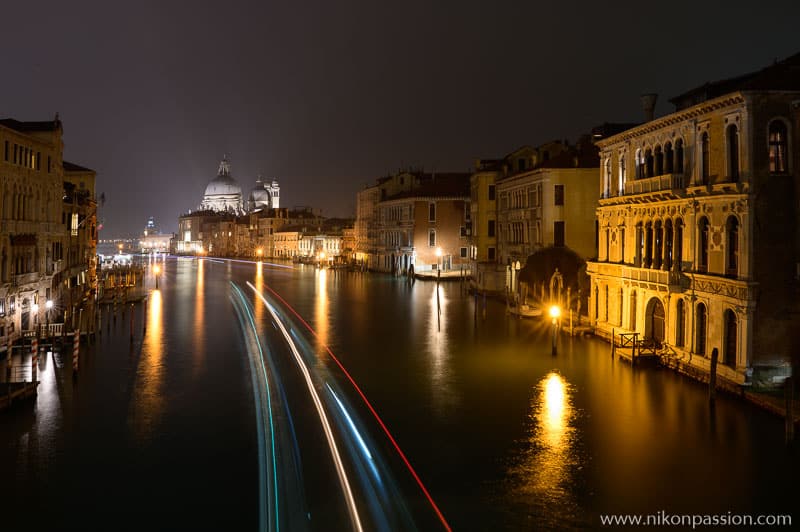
259,252
119,246
555,313
157,271
438,264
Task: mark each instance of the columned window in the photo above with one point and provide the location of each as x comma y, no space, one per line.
659,161
678,246
639,164
648,163
658,241
622,177
648,246
679,157
778,147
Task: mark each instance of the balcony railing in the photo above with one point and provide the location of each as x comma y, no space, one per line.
655,184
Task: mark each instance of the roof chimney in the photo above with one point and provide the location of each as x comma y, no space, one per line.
649,105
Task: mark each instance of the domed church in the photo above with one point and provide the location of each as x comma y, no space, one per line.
223,193
264,196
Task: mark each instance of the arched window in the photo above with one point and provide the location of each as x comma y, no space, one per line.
679,157
778,147
680,319
732,251
700,330
732,134
669,163
729,349
648,245
622,176
639,164
607,178
705,163
702,246
658,244
668,243
659,161
638,258
678,248
648,163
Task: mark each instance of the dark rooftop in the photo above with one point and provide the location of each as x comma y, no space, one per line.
27,127
72,167
781,75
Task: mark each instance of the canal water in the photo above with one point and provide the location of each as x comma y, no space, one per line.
159,432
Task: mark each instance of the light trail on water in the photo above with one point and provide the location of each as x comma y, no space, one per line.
337,459
372,410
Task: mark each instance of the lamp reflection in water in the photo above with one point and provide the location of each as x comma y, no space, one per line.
321,309
542,473
199,319
438,347
148,404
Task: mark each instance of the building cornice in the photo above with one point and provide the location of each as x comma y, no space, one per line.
727,100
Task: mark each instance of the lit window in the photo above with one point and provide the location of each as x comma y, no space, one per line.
778,147
74,224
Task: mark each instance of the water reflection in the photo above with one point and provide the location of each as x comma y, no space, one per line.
259,284
543,473
148,402
199,314
321,310
439,342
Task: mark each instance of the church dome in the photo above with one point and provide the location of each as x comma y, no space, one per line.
223,193
223,185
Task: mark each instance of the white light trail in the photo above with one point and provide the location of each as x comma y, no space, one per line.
326,427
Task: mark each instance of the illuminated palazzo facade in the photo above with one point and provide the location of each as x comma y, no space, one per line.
698,226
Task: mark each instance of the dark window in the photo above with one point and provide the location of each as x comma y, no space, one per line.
463,232
432,237
559,195
6,151
729,355
733,153
680,318
659,161
705,163
702,259
648,163
558,234
491,254
669,163
679,156
520,165
778,147
700,329
431,212
463,253
491,193
732,262
491,228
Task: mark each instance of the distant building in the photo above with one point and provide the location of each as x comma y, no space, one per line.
153,241
699,244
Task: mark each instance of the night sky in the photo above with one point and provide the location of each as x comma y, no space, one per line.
327,96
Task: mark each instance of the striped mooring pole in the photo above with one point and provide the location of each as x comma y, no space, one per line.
76,347
34,356
34,359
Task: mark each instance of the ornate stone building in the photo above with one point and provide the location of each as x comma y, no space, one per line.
47,231
698,225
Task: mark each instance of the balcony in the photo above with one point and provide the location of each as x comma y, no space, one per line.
24,278
663,183
672,280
